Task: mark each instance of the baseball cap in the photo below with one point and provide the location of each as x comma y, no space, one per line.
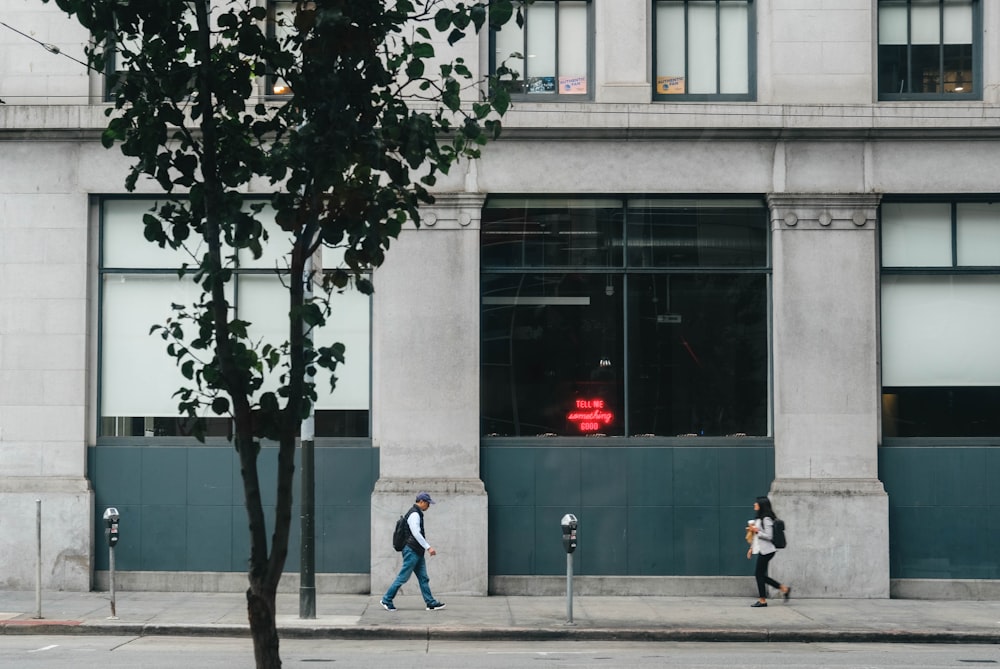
424,497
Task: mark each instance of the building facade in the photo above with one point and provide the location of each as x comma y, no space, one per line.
724,248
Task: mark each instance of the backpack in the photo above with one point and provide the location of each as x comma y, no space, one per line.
778,534
400,533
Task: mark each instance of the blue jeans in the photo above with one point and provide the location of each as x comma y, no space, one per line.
413,562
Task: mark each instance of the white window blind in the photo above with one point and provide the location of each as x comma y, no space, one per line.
916,235
940,331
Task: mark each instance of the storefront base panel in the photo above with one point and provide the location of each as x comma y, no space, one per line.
213,581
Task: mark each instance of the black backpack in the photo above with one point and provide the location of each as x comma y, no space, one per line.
400,533
778,534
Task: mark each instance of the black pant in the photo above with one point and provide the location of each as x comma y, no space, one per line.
760,573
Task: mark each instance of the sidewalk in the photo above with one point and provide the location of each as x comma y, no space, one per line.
605,618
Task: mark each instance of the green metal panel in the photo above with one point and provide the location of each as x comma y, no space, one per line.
943,510
182,506
643,510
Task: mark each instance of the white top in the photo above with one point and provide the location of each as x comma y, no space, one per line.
413,520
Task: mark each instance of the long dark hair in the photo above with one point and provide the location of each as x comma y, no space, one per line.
764,508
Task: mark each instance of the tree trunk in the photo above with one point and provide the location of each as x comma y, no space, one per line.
263,628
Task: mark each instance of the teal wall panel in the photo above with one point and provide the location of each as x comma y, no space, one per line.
163,538
507,525
182,506
943,511
643,510
650,540
208,526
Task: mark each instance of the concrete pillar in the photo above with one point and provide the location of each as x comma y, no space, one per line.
425,396
826,396
623,32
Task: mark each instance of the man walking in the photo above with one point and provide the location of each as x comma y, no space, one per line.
413,557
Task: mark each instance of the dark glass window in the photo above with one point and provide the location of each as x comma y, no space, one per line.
580,339
929,49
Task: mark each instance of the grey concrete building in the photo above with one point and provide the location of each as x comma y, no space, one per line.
724,248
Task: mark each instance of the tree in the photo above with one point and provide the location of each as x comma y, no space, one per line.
372,118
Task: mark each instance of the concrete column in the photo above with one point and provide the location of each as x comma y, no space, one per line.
826,396
622,48
425,395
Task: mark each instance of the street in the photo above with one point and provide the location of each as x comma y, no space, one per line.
165,652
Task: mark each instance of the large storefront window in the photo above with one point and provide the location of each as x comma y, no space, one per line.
138,378
940,316
643,317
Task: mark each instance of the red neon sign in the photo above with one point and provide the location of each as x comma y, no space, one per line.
590,415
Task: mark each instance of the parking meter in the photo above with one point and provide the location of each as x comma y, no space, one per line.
569,532
111,525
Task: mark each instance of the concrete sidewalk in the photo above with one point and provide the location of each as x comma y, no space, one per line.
514,618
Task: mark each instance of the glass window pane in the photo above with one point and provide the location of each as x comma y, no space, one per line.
702,43
958,22
941,412
916,235
927,68
892,18
978,234
734,74
138,377
925,22
124,245
940,331
552,354
263,301
892,73
509,41
540,62
551,233
276,250
573,48
670,48
698,360
697,233
958,68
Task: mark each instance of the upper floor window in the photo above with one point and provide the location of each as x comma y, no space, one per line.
929,49
703,50
550,53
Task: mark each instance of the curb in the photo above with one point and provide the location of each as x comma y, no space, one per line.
743,635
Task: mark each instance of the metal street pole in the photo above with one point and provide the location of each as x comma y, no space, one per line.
307,571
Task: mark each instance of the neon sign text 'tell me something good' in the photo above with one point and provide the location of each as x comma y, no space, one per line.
590,415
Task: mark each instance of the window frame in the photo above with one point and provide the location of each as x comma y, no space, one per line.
255,268
976,64
555,96
751,93
889,394
620,275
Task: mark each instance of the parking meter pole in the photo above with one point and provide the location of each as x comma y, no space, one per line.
111,517
38,558
569,588
569,526
111,579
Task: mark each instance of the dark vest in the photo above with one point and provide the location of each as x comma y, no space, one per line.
411,541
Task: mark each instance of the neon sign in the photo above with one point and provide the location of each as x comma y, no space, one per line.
590,415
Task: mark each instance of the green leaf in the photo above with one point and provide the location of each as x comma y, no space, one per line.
443,19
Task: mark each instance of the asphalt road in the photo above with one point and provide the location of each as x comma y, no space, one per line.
121,652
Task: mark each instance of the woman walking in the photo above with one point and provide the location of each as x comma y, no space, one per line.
762,527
